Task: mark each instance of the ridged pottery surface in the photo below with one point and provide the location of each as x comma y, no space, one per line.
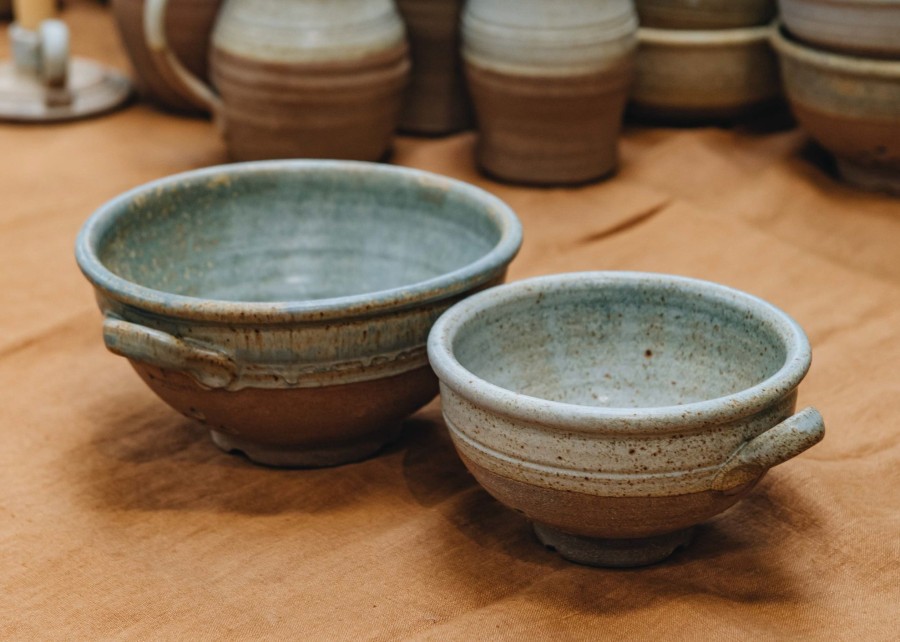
286,304
437,100
851,106
189,25
705,14
617,410
702,76
549,82
865,27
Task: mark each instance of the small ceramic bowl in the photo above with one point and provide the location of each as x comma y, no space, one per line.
286,304
851,106
697,76
866,27
616,410
705,14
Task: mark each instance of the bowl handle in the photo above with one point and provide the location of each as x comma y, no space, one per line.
775,446
210,368
167,63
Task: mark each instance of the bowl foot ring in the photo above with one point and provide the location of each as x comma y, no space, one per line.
875,179
613,553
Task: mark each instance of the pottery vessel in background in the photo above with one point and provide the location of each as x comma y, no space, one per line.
704,76
307,78
286,304
189,25
549,82
617,410
850,105
437,100
704,14
866,27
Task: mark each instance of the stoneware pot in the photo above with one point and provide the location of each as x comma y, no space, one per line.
616,410
188,26
286,304
549,82
866,27
703,76
437,101
851,106
307,78
705,14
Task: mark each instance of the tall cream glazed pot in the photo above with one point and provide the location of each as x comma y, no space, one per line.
306,78
549,82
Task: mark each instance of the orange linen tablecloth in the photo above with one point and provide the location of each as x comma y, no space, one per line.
119,518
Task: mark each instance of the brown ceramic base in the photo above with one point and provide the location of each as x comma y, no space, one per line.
874,179
549,130
694,116
613,553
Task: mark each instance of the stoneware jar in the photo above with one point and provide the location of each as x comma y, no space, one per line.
188,26
704,14
549,82
705,76
866,27
306,78
437,101
616,410
851,106
286,304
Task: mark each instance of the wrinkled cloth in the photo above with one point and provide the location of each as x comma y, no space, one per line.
119,518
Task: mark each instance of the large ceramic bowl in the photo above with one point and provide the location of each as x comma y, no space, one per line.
866,27
286,304
710,75
616,410
851,106
704,14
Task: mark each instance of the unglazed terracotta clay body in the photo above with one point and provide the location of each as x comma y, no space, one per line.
697,76
189,25
437,100
704,14
310,78
617,410
866,27
549,82
286,304
851,106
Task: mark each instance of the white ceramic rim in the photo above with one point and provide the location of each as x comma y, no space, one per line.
179,306
831,60
581,418
704,37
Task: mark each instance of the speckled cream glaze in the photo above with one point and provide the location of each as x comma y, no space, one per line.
289,275
864,27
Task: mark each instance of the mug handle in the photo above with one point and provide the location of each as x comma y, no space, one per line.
775,446
208,367
187,84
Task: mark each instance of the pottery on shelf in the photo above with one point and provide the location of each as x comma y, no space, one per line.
286,304
549,82
849,105
702,76
704,14
437,100
314,79
188,26
867,27
616,410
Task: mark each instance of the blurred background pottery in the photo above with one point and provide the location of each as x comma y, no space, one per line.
549,82
704,14
308,78
702,76
286,304
850,105
617,410
188,27
437,100
866,27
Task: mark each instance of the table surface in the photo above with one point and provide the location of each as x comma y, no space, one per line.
118,517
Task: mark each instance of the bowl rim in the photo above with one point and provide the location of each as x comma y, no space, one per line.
705,37
599,419
786,44
416,294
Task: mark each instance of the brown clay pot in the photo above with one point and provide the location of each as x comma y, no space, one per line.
705,14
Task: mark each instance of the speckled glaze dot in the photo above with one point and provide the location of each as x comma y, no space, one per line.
617,409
